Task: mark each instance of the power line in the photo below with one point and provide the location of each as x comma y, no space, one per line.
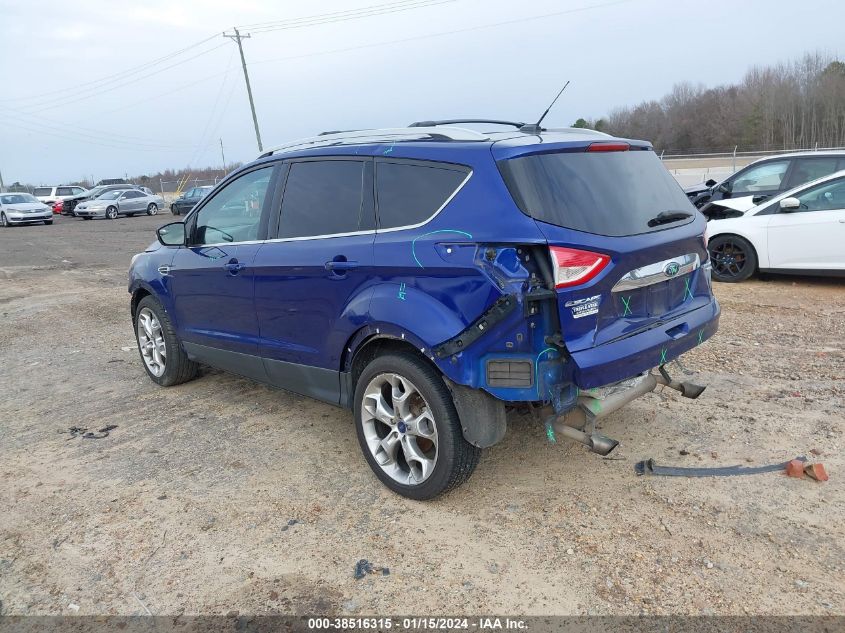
78,129
115,76
416,4
52,104
441,33
330,15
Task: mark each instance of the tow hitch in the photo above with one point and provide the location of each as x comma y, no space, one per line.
579,422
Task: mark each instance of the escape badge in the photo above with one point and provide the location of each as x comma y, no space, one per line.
584,307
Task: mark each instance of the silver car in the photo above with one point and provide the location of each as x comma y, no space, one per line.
23,208
118,202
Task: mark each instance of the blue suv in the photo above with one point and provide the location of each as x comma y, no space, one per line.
430,277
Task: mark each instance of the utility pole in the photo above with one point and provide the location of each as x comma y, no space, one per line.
237,37
1,182
223,156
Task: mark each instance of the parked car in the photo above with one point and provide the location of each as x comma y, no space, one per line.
23,208
118,202
71,203
800,231
189,199
767,177
426,277
49,195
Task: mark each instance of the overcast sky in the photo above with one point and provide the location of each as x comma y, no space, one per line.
70,110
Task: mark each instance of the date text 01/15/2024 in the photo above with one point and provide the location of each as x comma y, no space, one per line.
418,623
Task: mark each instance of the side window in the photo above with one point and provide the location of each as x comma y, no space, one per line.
826,197
807,169
234,214
77,190
193,193
64,191
324,198
765,177
408,193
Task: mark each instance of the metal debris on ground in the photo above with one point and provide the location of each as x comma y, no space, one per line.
364,567
82,431
649,467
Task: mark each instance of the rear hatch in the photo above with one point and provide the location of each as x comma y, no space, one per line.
627,250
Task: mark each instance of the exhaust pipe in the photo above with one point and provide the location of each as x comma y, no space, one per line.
596,443
589,409
687,389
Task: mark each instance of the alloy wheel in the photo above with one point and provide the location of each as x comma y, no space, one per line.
152,209
729,259
399,429
151,342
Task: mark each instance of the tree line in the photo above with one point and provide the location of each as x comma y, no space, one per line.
794,105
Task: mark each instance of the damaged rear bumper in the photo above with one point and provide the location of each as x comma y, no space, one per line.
620,359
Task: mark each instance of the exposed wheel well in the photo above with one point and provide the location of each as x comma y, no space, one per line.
378,345
139,294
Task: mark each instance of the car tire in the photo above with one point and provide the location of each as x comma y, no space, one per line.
733,258
152,326
4,221
174,210
429,453
152,209
111,213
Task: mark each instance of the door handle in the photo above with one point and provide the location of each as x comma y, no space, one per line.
233,266
335,265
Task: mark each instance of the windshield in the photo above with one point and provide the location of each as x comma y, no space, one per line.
17,198
606,193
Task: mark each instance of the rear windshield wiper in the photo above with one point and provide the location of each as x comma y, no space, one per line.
665,217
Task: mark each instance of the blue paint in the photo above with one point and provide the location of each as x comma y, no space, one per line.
414,241
285,306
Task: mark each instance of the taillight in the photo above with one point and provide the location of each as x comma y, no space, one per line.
573,267
608,147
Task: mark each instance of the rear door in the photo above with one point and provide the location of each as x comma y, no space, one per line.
627,242
811,237
311,279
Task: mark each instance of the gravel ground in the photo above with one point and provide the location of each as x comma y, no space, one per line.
222,494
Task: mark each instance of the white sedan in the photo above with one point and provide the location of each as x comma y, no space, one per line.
23,208
801,231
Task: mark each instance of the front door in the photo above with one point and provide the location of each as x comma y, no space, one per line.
312,280
811,237
213,278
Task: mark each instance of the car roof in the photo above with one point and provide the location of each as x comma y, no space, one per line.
788,194
439,142
801,154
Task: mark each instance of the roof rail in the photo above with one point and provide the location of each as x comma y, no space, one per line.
453,121
352,137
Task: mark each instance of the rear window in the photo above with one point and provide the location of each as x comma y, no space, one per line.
410,193
324,198
42,191
606,193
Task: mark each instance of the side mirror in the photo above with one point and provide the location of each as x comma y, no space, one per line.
790,204
172,234
725,187
709,183
758,199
